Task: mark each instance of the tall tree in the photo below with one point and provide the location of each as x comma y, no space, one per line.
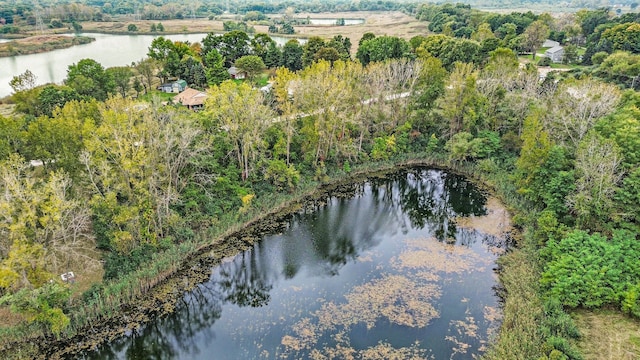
251,64
261,44
292,55
232,45
273,57
311,48
462,105
597,168
215,71
383,48
122,79
89,78
576,107
240,111
147,68
534,36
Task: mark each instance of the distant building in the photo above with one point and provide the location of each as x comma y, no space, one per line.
550,43
235,73
267,88
556,54
173,87
191,98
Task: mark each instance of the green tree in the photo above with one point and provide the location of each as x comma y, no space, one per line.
261,44
89,78
462,105
25,81
251,64
11,135
52,97
231,45
41,227
245,128
215,71
135,161
342,46
327,53
193,72
625,37
383,48
43,306
287,28
292,55
273,57
313,45
122,78
620,67
147,68
281,175
534,36
132,27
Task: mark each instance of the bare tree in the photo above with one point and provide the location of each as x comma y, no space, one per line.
576,106
598,169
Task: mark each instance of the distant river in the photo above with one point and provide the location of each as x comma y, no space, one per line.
109,50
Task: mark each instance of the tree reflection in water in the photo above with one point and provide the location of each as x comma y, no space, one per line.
317,243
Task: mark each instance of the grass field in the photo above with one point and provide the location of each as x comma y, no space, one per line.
608,335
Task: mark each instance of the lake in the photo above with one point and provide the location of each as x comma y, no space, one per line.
401,266
108,49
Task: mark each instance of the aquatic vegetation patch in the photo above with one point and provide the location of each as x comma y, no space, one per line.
396,298
463,331
430,254
383,350
496,222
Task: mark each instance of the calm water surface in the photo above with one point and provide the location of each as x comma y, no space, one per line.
383,272
109,50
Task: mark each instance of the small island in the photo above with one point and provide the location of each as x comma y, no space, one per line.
41,43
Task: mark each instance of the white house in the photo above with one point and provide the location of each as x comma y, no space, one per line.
556,54
236,74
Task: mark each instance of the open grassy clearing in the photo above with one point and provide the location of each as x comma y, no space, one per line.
608,335
6,109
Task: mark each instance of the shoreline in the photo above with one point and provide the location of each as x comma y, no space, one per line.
40,44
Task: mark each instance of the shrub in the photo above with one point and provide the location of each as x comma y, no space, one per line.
544,61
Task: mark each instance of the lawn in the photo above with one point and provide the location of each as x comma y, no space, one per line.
163,96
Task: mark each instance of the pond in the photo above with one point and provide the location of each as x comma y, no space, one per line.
401,266
108,49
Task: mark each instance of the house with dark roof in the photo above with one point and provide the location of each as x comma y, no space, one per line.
191,98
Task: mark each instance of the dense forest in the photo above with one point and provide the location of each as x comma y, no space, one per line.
96,180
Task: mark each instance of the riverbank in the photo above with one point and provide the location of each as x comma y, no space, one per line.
41,43
179,269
